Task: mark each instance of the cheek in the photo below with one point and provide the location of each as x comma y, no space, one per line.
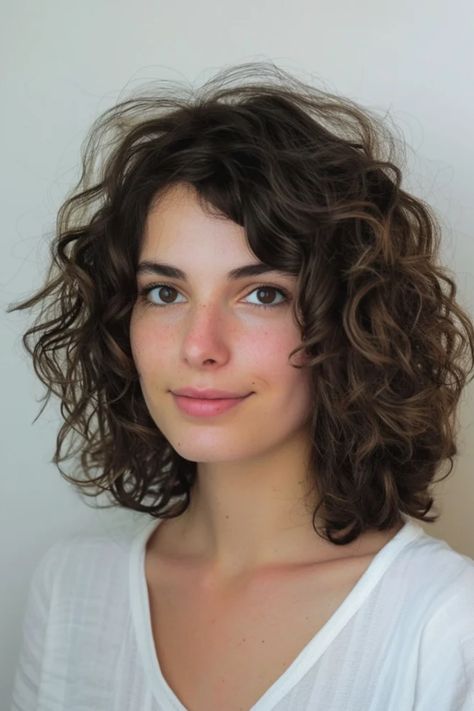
147,345
267,356
271,349
273,356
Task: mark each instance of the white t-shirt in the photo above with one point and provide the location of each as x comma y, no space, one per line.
402,640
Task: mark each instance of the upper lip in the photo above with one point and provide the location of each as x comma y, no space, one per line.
207,393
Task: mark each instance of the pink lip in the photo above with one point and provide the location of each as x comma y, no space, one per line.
205,407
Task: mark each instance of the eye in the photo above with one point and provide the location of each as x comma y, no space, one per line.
152,294
271,290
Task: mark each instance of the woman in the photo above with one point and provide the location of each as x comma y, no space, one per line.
246,324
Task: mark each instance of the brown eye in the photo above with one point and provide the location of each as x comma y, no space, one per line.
266,291
159,294
267,295
165,292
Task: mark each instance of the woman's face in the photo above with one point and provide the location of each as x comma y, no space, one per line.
214,332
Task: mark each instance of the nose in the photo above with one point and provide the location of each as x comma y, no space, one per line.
206,335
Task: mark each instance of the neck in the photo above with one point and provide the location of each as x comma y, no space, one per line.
245,516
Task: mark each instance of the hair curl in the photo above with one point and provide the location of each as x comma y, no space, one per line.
313,180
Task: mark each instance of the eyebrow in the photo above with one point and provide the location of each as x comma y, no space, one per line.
167,270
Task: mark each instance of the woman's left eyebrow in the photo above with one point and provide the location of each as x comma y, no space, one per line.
168,270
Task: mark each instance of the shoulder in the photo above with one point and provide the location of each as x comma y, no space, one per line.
452,576
91,557
445,647
432,560
428,607
427,584
438,581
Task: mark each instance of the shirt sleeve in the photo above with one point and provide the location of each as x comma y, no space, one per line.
445,680
27,685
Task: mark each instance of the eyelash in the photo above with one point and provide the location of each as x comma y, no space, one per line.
143,293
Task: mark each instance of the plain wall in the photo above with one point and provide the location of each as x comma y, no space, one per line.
63,63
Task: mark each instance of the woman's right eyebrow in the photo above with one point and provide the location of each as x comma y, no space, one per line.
168,270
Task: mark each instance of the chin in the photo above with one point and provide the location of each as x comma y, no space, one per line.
212,448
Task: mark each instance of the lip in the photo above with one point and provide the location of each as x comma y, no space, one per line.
206,407
207,394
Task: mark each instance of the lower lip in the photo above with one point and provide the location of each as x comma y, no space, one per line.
206,408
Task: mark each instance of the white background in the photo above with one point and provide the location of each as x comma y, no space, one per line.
63,62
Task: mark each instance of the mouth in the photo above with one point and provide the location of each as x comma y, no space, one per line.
208,394
206,407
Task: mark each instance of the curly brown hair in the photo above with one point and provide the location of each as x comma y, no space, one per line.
313,179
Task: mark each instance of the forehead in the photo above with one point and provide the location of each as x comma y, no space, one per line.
177,227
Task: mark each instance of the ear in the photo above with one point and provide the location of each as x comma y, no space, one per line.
301,359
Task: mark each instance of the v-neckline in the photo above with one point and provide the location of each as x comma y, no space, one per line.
141,615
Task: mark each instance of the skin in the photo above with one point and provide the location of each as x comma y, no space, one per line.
248,512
